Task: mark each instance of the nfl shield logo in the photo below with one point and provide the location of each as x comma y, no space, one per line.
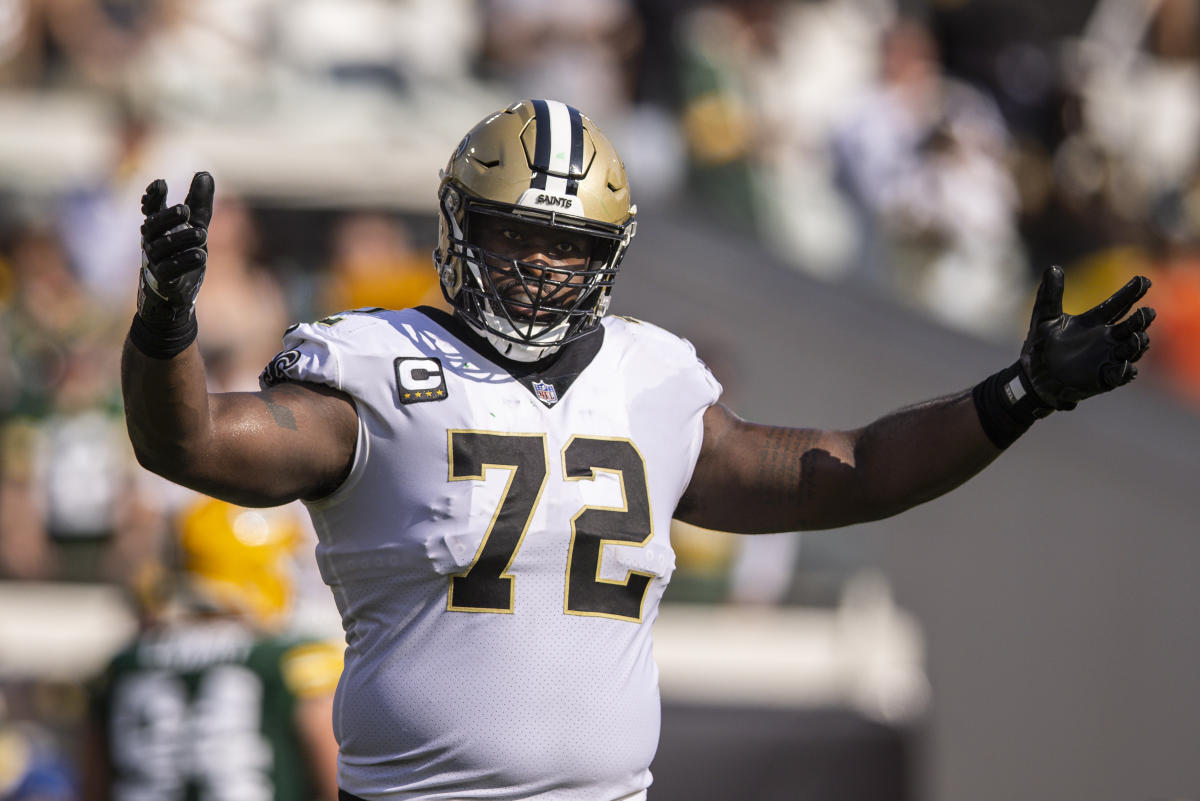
545,392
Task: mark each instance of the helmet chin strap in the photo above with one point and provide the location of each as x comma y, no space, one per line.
517,351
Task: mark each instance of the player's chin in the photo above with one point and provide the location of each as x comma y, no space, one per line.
524,314
520,309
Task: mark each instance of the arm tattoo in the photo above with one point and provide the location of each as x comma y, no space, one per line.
782,470
281,414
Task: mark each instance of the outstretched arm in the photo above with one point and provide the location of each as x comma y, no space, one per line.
251,448
753,478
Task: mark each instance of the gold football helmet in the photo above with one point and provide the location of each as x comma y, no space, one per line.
539,162
238,561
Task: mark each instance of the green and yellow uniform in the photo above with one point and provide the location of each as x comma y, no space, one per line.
204,710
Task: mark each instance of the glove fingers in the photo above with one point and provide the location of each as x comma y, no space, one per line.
160,222
1138,321
178,265
1048,305
1118,304
200,199
1115,374
155,198
1129,347
1140,344
170,243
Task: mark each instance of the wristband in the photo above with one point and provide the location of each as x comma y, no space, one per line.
1007,405
165,338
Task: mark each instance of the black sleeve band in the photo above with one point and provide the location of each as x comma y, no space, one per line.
164,339
1007,405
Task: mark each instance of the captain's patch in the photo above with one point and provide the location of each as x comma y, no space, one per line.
420,379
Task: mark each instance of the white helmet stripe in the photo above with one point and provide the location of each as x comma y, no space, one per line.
556,149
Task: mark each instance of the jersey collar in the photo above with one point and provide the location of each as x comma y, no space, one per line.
547,379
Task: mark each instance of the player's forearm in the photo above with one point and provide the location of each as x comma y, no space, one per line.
166,409
918,453
755,479
162,375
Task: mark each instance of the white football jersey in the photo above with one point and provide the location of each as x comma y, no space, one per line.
498,552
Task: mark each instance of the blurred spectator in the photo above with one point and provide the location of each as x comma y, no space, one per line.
924,156
74,43
15,51
210,697
242,311
97,220
391,45
48,320
810,68
1125,173
32,765
228,42
71,505
764,87
375,263
578,51
1142,104
717,116
67,474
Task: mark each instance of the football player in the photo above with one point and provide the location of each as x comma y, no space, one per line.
493,488
214,699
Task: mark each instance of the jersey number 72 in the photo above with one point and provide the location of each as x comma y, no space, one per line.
486,585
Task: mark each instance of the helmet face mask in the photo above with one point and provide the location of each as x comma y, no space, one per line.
532,303
502,174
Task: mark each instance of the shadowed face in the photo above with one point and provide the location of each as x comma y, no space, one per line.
531,265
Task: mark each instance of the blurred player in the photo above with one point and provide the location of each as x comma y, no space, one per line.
493,489
210,702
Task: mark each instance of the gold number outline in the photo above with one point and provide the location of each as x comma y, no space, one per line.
484,466
504,496
624,509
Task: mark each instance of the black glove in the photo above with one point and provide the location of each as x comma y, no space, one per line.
1065,358
174,254
1068,358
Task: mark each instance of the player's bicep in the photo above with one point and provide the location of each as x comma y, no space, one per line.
292,440
752,478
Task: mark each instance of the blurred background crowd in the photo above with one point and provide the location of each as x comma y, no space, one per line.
940,154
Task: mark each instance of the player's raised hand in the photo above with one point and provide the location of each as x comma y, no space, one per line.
174,245
174,255
1067,358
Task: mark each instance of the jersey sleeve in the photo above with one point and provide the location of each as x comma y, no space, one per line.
699,389
671,362
317,352
671,389
707,388
307,355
